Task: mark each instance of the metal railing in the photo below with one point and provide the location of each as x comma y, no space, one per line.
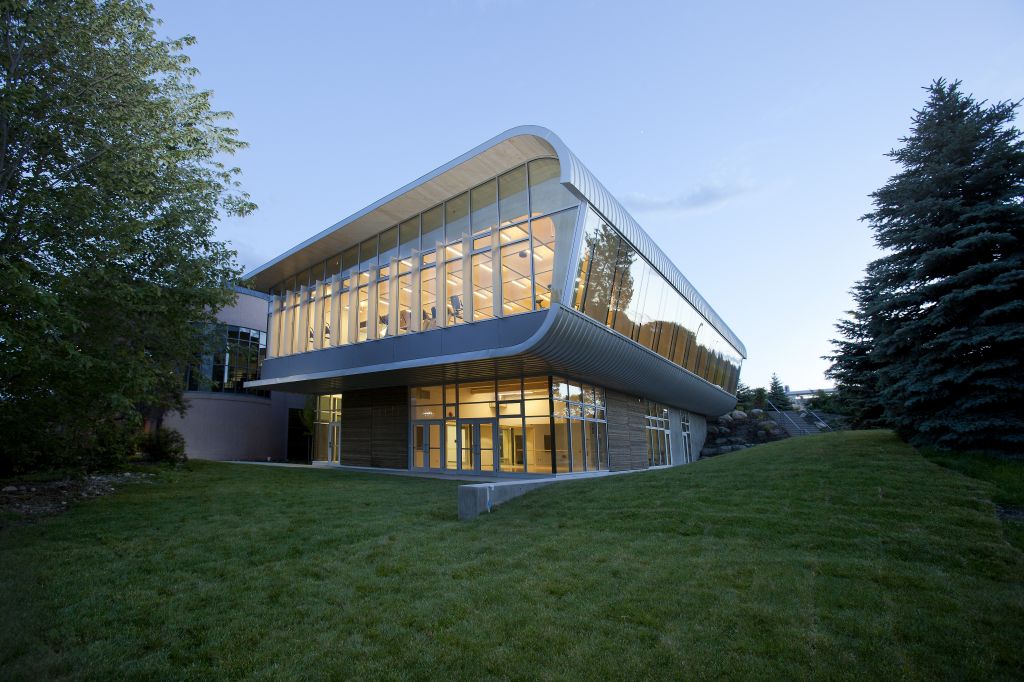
818,419
779,412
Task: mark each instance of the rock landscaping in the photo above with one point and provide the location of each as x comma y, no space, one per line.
28,500
739,430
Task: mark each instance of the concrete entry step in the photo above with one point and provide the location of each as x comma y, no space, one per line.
478,498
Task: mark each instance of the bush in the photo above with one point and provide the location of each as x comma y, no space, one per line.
163,445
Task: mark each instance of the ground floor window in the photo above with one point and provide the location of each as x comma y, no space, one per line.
684,419
580,426
521,425
327,428
659,435
237,357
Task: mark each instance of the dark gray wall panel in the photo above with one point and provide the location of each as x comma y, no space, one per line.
468,338
375,428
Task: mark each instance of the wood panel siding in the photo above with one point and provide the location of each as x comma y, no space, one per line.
627,436
375,427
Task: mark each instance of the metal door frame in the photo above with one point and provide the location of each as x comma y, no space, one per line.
423,455
474,423
334,442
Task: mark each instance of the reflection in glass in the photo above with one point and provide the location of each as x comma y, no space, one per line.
388,246
615,286
484,201
547,193
512,196
408,237
456,218
368,254
433,228
349,259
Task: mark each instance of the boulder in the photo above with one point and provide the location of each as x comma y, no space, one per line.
712,430
725,420
738,415
756,412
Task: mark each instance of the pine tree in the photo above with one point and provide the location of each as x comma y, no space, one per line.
942,315
777,394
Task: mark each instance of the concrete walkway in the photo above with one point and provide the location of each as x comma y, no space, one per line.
481,493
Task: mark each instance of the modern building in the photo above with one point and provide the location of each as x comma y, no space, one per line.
226,420
801,398
502,314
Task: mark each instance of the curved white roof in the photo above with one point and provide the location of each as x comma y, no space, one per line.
481,163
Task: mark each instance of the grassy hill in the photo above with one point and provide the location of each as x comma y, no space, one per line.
845,555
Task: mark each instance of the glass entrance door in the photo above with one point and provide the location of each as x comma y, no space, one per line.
428,446
477,445
334,442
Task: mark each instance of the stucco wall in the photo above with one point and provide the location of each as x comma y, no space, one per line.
235,426
698,434
248,311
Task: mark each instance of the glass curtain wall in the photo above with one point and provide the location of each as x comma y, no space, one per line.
487,252
617,287
529,426
238,358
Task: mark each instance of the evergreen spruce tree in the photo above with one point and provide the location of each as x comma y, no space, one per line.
853,368
777,394
744,396
942,313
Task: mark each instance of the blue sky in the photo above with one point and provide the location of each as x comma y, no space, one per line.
744,136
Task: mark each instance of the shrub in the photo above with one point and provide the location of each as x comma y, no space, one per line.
163,445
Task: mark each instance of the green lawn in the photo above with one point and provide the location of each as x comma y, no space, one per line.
1006,477
845,555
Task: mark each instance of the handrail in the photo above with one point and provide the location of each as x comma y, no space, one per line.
817,418
781,413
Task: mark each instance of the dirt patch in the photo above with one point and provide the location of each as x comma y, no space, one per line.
26,501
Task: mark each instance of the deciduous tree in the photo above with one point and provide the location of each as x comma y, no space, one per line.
112,178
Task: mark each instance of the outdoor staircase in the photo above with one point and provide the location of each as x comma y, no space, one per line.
795,423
